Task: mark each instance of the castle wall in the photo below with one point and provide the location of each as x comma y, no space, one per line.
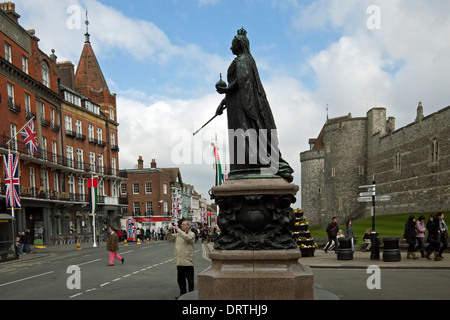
412,164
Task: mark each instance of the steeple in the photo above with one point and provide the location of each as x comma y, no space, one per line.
89,76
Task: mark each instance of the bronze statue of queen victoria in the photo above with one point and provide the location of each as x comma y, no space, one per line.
255,201
252,131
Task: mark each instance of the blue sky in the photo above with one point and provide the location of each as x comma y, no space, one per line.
211,26
163,57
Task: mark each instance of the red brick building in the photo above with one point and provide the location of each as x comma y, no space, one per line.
76,125
150,192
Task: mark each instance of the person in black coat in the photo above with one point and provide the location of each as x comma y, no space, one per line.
332,231
409,236
433,238
27,239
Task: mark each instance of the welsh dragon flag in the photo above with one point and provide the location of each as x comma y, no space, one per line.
93,193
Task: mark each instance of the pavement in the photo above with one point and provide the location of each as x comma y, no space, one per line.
319,260
362,260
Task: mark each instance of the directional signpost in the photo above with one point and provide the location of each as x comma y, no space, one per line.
370,196
377,198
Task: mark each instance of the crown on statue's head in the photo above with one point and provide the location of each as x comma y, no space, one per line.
242,32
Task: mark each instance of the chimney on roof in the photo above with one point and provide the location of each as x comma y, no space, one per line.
153,164
140,163
10,9
67,74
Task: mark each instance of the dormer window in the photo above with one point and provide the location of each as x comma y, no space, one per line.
45,74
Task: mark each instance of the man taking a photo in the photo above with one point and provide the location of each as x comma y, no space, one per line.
184,240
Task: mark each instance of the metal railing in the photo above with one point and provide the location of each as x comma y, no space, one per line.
52,158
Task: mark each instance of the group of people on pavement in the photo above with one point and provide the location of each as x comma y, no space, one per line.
142,234
208,234
434,232
437,236
334,233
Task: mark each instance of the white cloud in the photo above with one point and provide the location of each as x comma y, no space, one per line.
163,130
397,65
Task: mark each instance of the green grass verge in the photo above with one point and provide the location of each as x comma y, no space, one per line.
385,225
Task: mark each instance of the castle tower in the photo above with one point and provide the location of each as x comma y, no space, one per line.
333,170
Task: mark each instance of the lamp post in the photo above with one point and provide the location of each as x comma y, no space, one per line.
371,196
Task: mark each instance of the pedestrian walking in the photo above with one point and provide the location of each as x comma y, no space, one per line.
20,241
420,235
409,235
433,238
138,233
184,240
332,231
112,245
26,241
444,233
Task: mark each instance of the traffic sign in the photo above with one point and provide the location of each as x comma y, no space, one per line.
377,198
364,199
368,186
367,194
383,198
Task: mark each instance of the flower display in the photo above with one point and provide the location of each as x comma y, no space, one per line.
302,234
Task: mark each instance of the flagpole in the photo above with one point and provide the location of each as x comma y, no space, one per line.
17,132
93,213
11,198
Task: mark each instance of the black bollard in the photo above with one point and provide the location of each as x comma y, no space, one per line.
345,251
391,251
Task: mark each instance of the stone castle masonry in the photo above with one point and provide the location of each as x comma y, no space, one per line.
412,164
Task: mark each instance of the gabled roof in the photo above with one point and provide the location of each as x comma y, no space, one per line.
175,174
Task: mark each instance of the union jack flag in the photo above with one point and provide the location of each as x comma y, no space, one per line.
11,166
176,207
29,136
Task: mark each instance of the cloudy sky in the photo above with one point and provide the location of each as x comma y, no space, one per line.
163,57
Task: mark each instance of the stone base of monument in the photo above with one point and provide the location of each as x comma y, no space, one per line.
256,275
255,256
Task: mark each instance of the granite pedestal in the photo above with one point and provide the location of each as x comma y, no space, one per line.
256,275
255,257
